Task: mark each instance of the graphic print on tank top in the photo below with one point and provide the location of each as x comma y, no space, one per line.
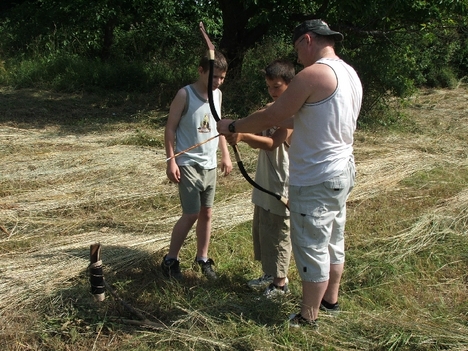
205,125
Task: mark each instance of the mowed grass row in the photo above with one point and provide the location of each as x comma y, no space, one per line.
67,184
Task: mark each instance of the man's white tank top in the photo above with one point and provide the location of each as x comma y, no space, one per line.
322,142
196,125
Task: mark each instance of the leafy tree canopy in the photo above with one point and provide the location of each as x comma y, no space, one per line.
395,45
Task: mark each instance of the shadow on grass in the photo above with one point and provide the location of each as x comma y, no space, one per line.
136,278
77,113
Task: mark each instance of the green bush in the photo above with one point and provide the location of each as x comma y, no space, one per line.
247,92
68,73
443,77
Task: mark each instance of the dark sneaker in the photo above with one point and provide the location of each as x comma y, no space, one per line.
171,268
206,268
297,321
332,309
260,283
274,290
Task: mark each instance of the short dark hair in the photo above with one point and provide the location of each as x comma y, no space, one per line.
280,69
220,62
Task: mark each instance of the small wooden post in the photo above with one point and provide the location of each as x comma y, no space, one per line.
96,276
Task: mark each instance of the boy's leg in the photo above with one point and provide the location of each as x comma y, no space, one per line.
189,200
283,241
276,251
275,245
170,262
203,231
206,201
264,280
257,249
179,233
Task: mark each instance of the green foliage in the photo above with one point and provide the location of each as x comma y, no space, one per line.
250,86
444,77
69,73
399,46
395,46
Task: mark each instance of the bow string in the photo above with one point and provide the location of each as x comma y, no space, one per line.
240,164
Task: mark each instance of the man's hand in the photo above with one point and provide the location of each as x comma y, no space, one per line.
223,126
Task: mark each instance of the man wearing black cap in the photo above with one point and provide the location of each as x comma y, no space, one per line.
322,104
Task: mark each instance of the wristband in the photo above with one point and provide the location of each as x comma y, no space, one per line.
232,127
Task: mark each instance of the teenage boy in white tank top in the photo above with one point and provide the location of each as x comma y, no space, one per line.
191,122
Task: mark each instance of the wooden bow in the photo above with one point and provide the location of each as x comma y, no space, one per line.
240,164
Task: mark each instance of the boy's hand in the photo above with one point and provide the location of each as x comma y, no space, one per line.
226,165
172,171
233,139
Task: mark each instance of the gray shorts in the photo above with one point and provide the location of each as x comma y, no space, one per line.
196,188
318,216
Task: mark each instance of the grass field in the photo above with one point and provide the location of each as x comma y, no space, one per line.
78,169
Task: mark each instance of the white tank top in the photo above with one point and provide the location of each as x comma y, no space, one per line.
196,125
322,142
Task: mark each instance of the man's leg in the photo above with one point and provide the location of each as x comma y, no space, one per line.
337,239
331,294
311,230
311,298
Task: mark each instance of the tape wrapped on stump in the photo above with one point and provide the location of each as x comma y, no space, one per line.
96,276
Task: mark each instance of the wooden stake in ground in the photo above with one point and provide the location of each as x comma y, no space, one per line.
96,277
99,286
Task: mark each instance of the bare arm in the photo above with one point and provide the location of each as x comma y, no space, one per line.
288,123
226,164
312,84
175,113
256,141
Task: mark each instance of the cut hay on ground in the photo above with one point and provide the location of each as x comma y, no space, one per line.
449,218
63,177
68,174
62,192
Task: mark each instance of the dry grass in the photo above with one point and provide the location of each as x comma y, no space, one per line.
62,184
446,219
62,190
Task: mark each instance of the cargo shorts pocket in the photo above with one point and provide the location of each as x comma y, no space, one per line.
309,229
337,183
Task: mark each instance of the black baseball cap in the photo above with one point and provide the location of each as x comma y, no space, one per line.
316,26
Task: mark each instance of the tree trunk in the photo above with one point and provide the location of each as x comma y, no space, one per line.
237,39
108,33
